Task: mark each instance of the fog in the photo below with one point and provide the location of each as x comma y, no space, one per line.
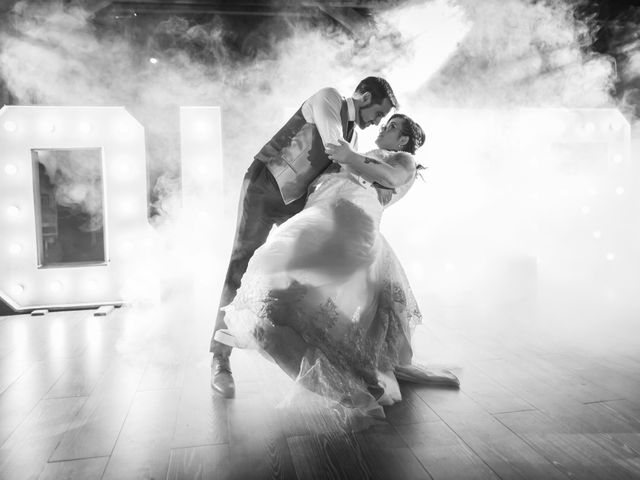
527,215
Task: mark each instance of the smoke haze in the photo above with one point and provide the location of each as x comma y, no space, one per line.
483,255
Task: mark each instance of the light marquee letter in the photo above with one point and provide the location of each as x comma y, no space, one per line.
37,143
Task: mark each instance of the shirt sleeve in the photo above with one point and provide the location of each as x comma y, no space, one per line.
323,110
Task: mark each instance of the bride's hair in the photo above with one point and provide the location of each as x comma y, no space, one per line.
412,130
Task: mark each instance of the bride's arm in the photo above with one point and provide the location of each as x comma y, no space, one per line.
395,171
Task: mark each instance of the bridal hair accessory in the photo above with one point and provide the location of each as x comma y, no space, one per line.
417,133
418,174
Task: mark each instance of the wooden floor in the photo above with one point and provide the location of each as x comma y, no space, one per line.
121,397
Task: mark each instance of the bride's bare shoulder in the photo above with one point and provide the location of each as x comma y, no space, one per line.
401,158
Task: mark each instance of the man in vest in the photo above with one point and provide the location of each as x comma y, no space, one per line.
275,185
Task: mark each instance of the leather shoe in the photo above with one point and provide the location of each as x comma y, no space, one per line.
221,377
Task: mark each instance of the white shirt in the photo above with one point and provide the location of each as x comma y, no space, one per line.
323,110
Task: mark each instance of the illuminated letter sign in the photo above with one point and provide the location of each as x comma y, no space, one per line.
80,173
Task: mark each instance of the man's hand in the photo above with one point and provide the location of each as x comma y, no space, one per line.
341,153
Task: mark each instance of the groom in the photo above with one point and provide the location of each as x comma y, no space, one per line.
275,185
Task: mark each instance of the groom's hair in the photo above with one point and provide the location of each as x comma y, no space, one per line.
379,89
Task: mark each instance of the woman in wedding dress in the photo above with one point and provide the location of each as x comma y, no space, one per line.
325,297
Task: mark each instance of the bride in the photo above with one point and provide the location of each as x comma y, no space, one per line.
325,297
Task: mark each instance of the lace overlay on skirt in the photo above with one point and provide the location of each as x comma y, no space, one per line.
328,301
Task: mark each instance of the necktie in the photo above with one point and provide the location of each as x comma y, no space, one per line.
349,134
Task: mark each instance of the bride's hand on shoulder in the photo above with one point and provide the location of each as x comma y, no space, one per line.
341,153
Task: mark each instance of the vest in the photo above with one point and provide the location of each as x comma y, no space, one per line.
295,156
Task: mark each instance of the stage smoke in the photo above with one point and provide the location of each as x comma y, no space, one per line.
479,235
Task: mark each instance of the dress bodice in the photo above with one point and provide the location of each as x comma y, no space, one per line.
400,191
344,185
349,185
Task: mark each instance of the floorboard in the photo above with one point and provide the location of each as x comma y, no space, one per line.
257,445
124,396
199,463
498,447
144,444
86,469
202,415
95,430
442,453
578,455
24,455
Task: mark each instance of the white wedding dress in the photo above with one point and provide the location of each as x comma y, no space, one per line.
326,298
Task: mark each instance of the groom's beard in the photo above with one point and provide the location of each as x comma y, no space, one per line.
359,122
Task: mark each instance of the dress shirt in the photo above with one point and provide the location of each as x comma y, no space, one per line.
323,110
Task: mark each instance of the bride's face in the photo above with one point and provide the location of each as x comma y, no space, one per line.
390,137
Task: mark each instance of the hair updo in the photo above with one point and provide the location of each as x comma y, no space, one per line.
412,130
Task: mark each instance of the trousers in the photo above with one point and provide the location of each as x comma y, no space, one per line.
259,209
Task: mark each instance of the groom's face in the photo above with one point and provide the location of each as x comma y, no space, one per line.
371,114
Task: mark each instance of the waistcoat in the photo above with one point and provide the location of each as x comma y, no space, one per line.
295,156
